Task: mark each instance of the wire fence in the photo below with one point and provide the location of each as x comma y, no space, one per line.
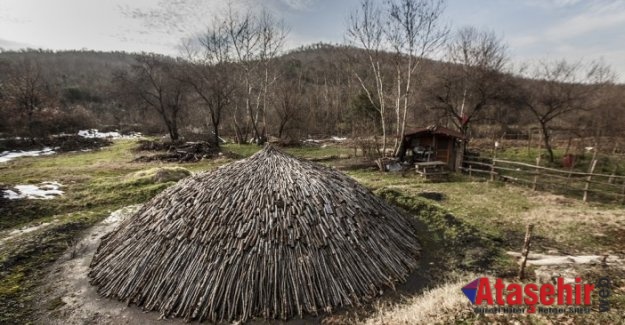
588,186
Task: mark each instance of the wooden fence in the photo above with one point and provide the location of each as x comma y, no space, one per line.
587,186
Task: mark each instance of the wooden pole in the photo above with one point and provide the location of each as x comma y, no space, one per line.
471,170
623,192
492,166
536,173
611,179
589,178
526,250
529,141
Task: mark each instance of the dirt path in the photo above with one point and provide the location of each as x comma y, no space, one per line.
67,296
8,235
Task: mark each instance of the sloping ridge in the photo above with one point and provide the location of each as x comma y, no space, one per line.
270,236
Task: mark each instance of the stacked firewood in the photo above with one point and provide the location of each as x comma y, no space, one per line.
177,152
270,236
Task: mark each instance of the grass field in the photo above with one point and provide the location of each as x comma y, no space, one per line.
466,233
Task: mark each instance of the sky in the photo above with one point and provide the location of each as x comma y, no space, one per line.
534,30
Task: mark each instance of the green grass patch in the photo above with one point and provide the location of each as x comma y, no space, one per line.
95,183
606,163
458,243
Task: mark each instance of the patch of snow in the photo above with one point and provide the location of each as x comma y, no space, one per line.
10,155
394,167
339,139
44,191
312,141
95,133
120,215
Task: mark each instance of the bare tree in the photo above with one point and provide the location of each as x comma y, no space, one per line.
272,34
208,73
366,30
474,78
27,92
154,80
561,88
256,40
288,102
415,31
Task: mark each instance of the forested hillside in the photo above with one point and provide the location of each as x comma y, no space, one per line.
309,91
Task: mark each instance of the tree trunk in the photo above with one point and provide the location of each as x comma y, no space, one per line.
547,142
216,133
383,134
281,128
173,131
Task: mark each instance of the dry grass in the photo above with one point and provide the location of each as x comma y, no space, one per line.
565,220
441,305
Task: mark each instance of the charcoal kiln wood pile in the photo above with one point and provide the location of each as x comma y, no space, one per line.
270,236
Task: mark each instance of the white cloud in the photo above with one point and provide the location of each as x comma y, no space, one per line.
301,5
11,45
593,18
552,3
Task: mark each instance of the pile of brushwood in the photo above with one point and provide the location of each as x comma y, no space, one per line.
61,143
270,236
177,151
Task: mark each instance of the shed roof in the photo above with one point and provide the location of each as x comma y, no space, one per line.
435,130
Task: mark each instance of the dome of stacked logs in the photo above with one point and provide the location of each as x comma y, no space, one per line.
270,236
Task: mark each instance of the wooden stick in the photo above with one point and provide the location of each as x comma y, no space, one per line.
623,193
537,172
492,167
588,179
526,250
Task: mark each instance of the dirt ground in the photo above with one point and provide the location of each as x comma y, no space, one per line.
67,296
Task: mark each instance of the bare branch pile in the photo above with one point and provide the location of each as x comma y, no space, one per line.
270,236
177,152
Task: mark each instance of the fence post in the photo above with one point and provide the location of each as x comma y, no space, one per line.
492,166
623,192
611,179
589,178
536,173
526,250
470,170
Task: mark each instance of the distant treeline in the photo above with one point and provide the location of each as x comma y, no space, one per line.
245,86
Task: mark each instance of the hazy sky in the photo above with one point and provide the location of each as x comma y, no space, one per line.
533,29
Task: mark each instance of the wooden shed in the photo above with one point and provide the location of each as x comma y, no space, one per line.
433,143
